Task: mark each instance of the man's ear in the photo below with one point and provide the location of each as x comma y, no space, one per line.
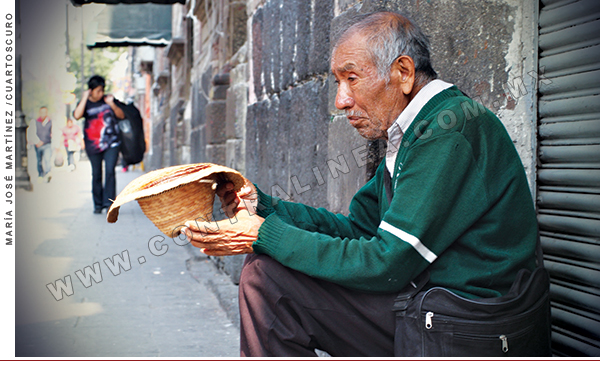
403,70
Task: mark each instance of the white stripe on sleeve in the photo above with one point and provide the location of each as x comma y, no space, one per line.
407,237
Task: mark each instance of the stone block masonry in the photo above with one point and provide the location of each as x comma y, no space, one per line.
287,126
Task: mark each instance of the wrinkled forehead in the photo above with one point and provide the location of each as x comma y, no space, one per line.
349,54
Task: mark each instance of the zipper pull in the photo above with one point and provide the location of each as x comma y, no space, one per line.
504,343
428,316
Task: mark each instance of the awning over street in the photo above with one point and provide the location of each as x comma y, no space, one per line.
83,2
130,25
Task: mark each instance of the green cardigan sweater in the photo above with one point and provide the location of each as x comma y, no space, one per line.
461,208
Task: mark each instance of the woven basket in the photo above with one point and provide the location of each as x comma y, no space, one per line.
173,195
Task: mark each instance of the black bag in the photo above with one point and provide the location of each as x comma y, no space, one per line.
131,133
439,323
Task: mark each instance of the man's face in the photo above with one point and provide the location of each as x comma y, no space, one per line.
371,104
43,113
97,93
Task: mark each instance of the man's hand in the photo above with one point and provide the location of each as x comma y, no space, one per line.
232,202
80,109
39,144
110,100
226,237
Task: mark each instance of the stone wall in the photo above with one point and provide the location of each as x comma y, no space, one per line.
293,141
160,110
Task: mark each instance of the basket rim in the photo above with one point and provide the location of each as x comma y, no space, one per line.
197,171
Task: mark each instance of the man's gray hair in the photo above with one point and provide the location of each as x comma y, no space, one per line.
390,35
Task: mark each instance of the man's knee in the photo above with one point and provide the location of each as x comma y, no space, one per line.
264,277
255,270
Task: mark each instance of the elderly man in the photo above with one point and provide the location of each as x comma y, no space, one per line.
451,197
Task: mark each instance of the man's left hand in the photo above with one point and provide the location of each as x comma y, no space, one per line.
109,99
232,236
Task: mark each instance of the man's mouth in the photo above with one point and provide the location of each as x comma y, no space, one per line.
355,121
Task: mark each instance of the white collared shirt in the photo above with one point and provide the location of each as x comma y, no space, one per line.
399,127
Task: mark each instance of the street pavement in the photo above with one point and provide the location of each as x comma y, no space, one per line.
161,301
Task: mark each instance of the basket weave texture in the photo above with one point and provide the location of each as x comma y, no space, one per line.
173,195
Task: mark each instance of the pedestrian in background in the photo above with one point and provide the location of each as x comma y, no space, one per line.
101,138
73,141
39,134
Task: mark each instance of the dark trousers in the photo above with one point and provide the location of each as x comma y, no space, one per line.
286,313
100,194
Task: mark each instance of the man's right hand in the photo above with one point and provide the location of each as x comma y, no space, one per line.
232,202
80,109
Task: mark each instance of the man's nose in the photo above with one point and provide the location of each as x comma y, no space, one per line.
343,99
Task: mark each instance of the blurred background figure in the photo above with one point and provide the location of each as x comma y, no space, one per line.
101,137
73,142
39,134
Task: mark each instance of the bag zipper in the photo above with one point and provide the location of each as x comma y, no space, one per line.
504,343
429,324
428,317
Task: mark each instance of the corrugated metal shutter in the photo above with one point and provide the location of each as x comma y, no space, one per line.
569,170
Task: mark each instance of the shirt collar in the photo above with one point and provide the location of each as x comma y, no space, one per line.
406,117
44,121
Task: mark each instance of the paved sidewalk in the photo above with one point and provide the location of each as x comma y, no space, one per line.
161,306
